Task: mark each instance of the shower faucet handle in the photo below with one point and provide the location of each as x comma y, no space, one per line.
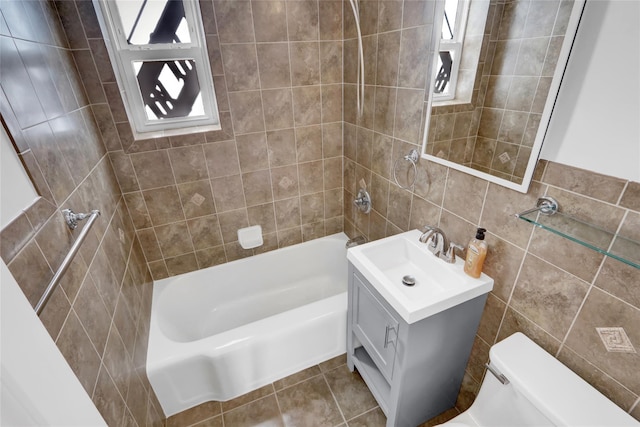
363,201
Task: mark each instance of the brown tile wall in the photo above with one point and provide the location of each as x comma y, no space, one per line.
517,61
99,316
553,290
578,291
277,160
391,124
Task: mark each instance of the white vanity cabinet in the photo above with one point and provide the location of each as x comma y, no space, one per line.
414,370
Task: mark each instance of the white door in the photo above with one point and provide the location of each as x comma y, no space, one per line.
37,386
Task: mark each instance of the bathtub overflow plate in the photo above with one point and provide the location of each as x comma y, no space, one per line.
408,280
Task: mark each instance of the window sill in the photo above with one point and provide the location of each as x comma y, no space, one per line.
138,136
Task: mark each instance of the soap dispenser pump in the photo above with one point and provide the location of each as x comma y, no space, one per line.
476,253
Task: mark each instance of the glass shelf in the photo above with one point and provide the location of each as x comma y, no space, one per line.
610,244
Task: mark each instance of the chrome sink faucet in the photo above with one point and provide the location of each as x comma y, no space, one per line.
435,239
438,244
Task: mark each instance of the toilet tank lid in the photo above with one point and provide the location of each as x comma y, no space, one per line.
564,397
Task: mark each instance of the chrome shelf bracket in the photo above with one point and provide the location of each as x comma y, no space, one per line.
546,205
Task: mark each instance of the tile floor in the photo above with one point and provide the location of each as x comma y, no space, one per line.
327,394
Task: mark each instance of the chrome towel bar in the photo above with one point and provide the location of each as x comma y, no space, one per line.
72,221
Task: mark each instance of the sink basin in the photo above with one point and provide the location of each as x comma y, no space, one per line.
438,285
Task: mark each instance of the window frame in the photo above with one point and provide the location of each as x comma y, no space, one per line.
123,55
455,47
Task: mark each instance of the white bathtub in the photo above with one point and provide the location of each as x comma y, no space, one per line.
223,331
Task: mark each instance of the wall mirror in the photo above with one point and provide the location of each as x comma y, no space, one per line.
498,69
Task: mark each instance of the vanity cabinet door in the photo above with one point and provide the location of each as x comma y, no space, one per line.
375,327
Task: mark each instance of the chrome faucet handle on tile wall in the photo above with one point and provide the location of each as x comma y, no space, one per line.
363,201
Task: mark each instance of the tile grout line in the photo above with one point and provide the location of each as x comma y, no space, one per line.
153,226
515,280
213,201
592,285
364,413
275,393
635,405
184,214
321,126
295,141
233,130
263,132
335,399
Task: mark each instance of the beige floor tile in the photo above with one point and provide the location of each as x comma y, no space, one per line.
352,394
373,418
262,412
297,377
248,397
309,403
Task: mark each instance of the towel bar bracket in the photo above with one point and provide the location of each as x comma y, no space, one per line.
72,218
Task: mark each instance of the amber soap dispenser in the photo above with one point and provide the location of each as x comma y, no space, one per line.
476,253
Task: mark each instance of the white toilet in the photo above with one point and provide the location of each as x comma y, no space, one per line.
538,391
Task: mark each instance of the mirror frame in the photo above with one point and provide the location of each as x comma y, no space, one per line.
561,66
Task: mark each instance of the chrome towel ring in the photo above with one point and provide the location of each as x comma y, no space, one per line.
413,158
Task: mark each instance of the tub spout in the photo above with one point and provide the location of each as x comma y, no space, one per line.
358,240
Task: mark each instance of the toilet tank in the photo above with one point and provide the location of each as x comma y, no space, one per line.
541,391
